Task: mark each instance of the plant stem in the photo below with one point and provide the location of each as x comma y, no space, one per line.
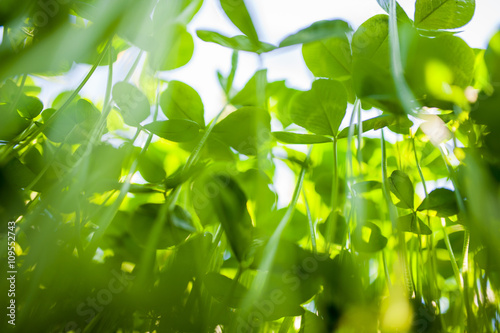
134,66
311,224
332,222
454,265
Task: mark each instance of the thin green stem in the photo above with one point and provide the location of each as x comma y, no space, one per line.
134,66
332,221
311,223
456,271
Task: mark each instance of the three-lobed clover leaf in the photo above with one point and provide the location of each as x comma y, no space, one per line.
321,109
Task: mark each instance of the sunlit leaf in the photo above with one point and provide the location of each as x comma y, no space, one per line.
133,104
321,109
253,91
238,14
329,58
180,101
240,42
245,129
317,31
177,130
443,14
402,187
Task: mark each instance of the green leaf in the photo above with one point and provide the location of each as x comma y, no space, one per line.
321,109
230,205
105,166
180,101
368,238
407,223
441,200
250,94
370,41
279,92
317,31
240,42
371,71
173,48
133,104
443,14
401,14
29,106
369,124
374,84
434,65
150,168
492,58
402,187
74,125
142,221
329,58
224,289
12,122
177,130
238,14
295,138
245,129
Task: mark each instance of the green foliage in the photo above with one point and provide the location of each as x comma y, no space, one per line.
321,109
180,101
443,14
177,130
240,42
136,213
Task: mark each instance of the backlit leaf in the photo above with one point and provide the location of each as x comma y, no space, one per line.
240,42
180,101
443,14
177,130
133,104
402,187
321,109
